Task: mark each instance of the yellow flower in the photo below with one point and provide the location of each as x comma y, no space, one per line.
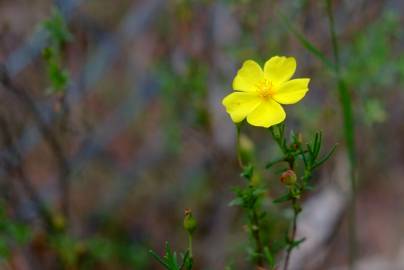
259,93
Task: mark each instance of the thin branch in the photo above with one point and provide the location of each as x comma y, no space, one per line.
46,132
22,177
255,227
291,240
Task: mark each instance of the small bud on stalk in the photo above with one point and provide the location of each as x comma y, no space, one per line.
289,178
190,223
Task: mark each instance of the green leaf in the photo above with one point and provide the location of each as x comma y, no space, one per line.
306,43
284,198
171,258
258,191
187,261
272,163
59,78
269,257
325,158
296,243
57,28
159,259
236,202
248,172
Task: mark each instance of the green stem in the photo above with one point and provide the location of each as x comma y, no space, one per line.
255,228
349,133
253,216
190,245
239,157
296,211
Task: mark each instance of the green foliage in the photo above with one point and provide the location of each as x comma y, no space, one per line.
346,105
12,233
170,260
306,43
250,198
107,250
58,77
308,153
184,99
92,251
371,60
372,63
58,34
343,91
247,197
374,112
293,151
65,246
248,172
57,29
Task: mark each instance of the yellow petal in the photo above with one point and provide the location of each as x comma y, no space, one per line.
240,104
279,69
248,76
291,91
267,114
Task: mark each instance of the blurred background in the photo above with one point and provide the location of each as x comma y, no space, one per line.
137,133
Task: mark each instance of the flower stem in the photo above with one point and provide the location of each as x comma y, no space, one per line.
296,211
255,228
349,133
190,245
253,214
239,158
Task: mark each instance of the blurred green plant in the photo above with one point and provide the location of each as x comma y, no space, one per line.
374,112
184,99
58,35
91,252
12,233
377,60
170,260
250,198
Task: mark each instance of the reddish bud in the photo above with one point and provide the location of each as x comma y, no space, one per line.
289,177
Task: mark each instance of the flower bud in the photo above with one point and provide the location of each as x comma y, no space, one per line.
190,223
288,177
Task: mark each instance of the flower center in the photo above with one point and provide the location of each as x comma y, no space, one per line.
265,89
